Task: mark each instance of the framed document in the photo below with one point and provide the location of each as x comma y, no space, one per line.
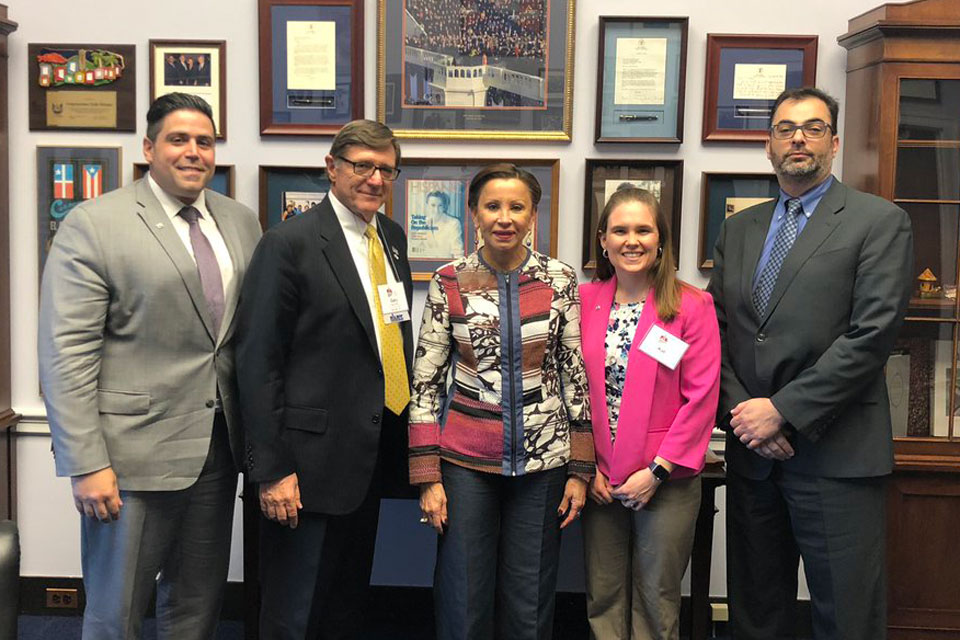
66,176
662,178
82,87
726,194
745,74
198,67
641,79
224,177
286,192
504,72
429,201
311,66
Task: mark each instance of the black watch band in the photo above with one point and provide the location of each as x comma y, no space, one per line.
659,472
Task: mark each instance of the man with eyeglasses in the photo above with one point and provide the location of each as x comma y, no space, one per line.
810,291
324,349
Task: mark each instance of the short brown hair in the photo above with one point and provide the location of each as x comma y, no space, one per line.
364,133
502,171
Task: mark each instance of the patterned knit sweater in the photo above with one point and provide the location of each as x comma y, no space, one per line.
519,399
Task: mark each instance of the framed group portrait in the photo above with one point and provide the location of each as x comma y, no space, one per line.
726,194
223,182
745,74
429,200
286,192
641,79
197,67
311,66
497,70
662,178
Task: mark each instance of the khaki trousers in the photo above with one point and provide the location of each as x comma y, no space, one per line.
635,561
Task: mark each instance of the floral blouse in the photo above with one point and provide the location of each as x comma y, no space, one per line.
621,329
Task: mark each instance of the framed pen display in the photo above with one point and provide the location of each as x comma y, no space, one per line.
641,79
429,200
662,178
66,176
224,177
725,194
311,66
286,192
504,72
198,67
745,74
82,87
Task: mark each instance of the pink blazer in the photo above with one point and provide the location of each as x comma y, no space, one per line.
662,412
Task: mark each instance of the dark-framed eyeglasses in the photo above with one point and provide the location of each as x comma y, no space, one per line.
365,169
812,129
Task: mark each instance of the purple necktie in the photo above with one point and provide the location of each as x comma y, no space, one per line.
207,266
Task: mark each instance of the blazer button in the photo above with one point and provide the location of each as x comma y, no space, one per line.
376,418
761,337
211,404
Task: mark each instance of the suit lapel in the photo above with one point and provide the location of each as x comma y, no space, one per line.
232,239
756,235
152,214
595,334
638,388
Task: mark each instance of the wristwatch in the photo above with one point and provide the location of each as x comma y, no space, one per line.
659,472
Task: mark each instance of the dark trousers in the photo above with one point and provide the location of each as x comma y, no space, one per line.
496,573
836,525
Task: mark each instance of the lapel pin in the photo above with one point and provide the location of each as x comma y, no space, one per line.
396,254
159,225
597,308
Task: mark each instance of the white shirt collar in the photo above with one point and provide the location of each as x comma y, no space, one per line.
348,219
171,206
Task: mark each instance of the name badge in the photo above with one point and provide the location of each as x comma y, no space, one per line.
665,348
393,303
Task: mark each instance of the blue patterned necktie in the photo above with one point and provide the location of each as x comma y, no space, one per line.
786,236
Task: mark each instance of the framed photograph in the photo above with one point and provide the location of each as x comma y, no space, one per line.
198,67
503,72
429,200
641,79
224,177
66,176
286,192
311,66
745,74
82,87
662,178
726,194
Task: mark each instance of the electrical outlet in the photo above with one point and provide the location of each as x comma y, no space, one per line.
62,599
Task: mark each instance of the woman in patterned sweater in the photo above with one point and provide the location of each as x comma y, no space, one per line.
503,463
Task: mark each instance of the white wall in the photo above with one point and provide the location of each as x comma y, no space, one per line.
48,522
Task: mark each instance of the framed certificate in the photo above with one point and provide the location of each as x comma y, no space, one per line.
662,178
726,194
82,87
311,66
286,192
745,74
198,67
641,79
501,72
429,201
224,177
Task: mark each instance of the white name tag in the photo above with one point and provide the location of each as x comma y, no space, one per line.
665,348
393,303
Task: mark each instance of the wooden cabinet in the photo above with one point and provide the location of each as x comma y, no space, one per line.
902,142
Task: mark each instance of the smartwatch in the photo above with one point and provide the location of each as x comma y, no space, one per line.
659,472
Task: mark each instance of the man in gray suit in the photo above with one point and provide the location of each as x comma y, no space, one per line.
810,290
136,362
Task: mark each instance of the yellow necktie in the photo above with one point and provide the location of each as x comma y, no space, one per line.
396,388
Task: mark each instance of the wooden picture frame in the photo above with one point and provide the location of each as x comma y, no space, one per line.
723,195
283,186
224,179
197,67
745,74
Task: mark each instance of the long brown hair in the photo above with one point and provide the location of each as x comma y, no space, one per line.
666,285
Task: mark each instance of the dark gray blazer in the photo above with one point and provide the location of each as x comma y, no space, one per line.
832,319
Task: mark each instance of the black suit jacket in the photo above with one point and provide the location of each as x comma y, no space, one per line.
831,321
311,382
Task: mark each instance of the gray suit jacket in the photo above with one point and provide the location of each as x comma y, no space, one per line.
831,321
129,364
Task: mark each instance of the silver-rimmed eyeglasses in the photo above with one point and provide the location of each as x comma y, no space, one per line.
812,129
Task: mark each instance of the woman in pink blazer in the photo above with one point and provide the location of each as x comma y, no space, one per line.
652,351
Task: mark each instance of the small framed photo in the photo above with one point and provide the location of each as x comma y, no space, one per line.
500,71
429,200
66,176
745,74
726,194
662,178
286,192
641,79
198,67
311,66
82,87
224,177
